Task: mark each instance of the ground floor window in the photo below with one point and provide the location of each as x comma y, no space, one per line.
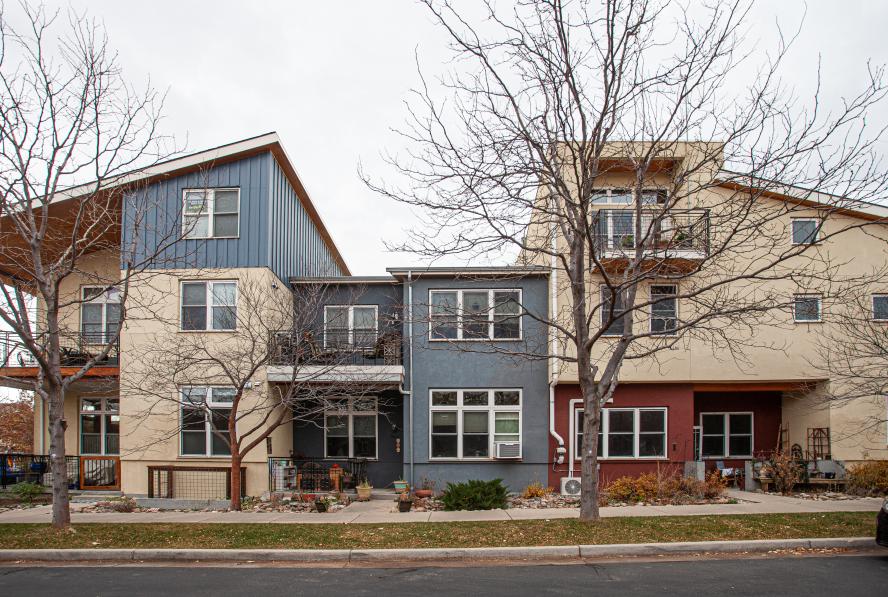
626,433
100,426
726,435
350,427
204,420
469,424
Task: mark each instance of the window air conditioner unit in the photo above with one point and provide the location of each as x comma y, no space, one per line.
570,486
508,449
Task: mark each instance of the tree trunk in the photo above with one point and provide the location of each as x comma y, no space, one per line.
61,513
235,480
589,460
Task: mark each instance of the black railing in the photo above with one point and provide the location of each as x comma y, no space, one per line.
193,482
313,475
310,348
676,233
35,468
76,349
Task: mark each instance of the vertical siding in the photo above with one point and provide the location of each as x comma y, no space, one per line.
160,205
295,244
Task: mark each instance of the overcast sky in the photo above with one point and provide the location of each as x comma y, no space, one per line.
331,78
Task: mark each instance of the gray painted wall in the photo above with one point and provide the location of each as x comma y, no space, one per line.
441,365
274,228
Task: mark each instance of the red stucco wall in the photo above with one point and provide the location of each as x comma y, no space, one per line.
683,407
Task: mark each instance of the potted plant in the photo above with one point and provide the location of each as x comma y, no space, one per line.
364,490
322,504
404,502
401,485
428,488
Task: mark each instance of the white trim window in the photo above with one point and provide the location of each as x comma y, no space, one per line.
99,426
351,325
209,306
726,435
616,325
468,424
99,313
211,213
807,308
664,309
204,413
804,231
880,307
350,428
469,314
636,433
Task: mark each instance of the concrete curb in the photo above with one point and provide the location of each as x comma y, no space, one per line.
474,554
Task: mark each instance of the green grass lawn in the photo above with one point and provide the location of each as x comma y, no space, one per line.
441,534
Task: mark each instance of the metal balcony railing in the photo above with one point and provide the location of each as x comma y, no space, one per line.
339,347
76,349
680,233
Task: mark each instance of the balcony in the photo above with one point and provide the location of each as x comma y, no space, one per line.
336,355
77,349
678,235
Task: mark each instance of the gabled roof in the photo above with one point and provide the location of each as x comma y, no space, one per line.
806,197
219,155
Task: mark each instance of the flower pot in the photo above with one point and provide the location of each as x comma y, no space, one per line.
400,485
364,493
423,493
321,506
404,505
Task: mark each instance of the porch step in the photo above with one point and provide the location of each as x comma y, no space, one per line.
93,496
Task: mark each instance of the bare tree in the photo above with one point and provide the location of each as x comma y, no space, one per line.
273,328
550,104
71,127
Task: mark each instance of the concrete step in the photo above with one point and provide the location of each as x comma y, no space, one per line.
93,496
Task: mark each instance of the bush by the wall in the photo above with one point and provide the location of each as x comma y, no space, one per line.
869,478
27,492
475,495
662,487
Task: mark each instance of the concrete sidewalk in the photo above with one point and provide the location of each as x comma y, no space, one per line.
383,511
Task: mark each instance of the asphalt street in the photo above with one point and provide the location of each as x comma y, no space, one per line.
809,576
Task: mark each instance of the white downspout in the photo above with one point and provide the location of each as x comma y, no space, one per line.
553,363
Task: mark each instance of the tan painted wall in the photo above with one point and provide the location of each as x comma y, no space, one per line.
777,349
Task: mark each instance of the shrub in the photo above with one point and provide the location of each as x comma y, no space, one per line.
536,490
785,470
475,495
26,492
662,487
869,478
124,504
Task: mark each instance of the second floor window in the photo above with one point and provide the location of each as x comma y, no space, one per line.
475,314
880,307
664,310
350,326
209,305
211,213
804,231
613,326
99,313
806,308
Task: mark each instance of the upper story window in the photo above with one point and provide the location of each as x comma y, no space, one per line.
804,231
664,309
475,314
209,305
880,307
807,308
350,325
625,197
608,297
204,420
211,213
99,313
